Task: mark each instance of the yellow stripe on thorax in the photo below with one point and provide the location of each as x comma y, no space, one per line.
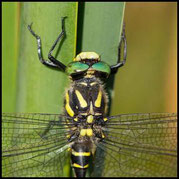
83,83
93,83
98,100
89,132
91,111
90,119
67,106
83,103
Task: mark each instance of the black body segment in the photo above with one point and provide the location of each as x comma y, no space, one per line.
80,157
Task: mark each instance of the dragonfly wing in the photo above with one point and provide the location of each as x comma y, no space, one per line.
138,145
33,146
134,145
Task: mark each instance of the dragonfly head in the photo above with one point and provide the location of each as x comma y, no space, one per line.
88,64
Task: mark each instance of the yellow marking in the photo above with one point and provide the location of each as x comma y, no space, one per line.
98,114
82,83
91,109
90,119
83,132
69,149
67,106
93,83
79,166
83,103
98,100
89,76
85,114
103,136
105,119
90,72
81,153
75,119
89,132
87,55
68,136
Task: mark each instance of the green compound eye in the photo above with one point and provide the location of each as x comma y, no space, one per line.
102,67
76,67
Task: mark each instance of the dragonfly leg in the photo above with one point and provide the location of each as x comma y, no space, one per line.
53,62
50,57
120,63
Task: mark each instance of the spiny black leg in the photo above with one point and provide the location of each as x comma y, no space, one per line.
120,63
53,62
123,39
45,62
51,58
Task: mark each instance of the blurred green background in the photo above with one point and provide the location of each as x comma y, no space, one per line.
147,82
28,86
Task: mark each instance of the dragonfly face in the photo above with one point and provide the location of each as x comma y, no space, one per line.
122,145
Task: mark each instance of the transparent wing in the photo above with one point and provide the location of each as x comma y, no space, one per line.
141,145
33,145
135,145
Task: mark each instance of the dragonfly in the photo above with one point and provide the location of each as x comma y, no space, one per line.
85,137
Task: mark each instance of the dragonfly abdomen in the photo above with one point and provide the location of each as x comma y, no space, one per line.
80,157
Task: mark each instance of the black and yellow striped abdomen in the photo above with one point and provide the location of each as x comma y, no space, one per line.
80,157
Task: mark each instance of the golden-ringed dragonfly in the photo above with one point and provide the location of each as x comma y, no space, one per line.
123,145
